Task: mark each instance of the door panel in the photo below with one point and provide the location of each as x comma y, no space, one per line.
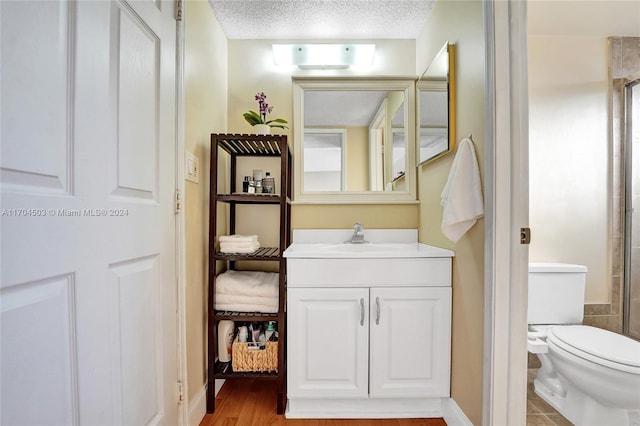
39,315
327,353
137,74
88,280
37,82
135,345
410,341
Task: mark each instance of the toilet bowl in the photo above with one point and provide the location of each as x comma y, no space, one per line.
599,371
590,375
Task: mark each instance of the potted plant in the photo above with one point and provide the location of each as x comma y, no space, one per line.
259,120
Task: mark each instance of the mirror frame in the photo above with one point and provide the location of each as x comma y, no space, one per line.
439,85
406,85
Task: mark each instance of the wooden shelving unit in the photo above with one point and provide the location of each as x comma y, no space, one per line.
238,146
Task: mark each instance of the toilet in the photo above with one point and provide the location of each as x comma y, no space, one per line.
590,375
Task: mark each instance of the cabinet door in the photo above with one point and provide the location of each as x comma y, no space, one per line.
327,347
410,341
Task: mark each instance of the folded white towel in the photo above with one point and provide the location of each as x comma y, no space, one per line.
253,244
239,247
234,250
237,238
239,298
462,195
240,307
230,302
248,283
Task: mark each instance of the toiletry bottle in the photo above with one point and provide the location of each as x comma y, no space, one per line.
271,328
245,184
243,334
226,329
268,184
255,331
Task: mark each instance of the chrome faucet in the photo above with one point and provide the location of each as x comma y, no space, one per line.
358,234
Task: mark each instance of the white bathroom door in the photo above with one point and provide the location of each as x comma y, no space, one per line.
88,280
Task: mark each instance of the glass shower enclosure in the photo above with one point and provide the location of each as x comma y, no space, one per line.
631,310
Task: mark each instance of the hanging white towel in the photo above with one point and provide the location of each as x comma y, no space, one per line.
462,194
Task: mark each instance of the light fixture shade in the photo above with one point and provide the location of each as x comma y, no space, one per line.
323,55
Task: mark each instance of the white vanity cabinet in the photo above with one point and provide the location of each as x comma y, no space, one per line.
368,329
369,342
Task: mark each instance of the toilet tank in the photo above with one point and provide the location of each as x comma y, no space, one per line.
556,293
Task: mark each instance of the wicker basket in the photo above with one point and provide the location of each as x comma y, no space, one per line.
261,360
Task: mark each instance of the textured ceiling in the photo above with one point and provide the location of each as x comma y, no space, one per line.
322,19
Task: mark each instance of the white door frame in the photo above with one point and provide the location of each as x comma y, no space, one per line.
181,252
506,177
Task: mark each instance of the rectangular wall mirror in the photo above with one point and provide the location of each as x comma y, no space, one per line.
351,143
435,108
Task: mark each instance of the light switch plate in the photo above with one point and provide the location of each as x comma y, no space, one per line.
192,167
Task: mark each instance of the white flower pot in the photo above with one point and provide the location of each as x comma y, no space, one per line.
262,129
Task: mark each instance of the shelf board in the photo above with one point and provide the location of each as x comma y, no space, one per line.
245,316
250,145
223,370
263,253
250,198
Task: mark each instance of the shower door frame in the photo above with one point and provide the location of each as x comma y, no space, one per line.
633,80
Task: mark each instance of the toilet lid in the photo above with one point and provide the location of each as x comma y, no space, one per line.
598,343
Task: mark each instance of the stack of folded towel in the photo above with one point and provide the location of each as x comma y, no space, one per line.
247,291
238,243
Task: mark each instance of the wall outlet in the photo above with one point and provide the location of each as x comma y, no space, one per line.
192,167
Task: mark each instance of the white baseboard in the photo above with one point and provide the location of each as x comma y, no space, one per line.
198,404
198,407
453,414
363,408
219,383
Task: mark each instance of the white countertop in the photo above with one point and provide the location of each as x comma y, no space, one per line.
366,250
381,243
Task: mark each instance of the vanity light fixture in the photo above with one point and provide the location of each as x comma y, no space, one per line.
323,56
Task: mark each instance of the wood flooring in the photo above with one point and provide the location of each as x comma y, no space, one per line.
253,403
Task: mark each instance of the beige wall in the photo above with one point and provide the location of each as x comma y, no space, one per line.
571,167
568,156
459,22
205,113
